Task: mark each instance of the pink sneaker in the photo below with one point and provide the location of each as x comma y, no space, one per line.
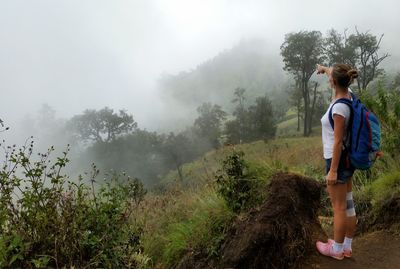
327,250
346,252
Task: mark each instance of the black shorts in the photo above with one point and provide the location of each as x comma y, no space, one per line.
345,169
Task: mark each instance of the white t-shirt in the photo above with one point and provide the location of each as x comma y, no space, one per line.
327,130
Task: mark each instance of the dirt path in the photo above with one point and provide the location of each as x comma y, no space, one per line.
380,250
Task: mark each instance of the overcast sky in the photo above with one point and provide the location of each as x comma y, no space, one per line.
83,54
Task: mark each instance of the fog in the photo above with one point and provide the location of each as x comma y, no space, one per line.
75,55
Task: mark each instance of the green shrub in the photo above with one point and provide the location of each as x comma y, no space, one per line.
236,184
48,221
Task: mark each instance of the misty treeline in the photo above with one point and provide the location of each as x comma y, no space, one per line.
302,51
252,65
113,140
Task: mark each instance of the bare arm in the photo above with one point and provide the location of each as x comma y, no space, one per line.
327,71
339,123
323,70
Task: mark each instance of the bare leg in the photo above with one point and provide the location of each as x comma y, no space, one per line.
351,222
337,194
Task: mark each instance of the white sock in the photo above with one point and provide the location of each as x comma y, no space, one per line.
347,243
337,247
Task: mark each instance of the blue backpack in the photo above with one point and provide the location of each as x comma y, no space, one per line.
364,134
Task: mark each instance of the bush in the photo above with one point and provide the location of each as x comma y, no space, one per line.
48,221
233,185
237,184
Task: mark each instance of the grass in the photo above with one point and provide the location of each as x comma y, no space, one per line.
385,186
288,127
203,229
299,154
178,221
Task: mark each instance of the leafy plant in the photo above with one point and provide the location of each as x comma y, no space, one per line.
234,182
46,220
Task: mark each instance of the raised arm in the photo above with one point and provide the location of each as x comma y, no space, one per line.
323,70
327,71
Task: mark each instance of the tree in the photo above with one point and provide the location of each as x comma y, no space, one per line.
320,107
301,52
253,123
48,127
138,154
338,49
101,126
208,124
178,149
262,122
232,131
295,100
239,113
236,129
360,50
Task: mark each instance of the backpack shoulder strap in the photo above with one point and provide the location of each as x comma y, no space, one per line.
342,101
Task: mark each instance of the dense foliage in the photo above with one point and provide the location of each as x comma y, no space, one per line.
48,220
103,125
250,123
360,50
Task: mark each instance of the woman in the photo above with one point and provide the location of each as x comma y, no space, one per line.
338,168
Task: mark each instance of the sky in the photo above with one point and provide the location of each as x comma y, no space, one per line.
80,54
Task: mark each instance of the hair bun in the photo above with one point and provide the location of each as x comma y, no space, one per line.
352,73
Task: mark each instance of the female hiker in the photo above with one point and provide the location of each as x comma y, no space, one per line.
338,168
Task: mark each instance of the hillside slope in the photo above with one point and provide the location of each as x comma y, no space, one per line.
299,154
250,64
195,215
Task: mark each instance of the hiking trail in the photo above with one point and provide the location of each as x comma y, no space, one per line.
379,249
